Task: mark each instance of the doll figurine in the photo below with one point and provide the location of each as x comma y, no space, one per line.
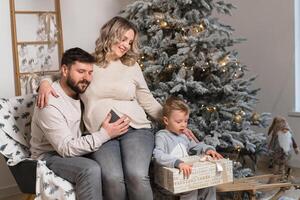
281,144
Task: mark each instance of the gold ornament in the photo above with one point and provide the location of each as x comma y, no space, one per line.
170,66
242,113
255,117
163,24
237,119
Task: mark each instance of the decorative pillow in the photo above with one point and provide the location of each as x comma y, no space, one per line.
50,186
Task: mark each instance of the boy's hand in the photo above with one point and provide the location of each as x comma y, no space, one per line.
186,169
215,155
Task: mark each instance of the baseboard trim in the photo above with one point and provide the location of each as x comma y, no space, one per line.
9,191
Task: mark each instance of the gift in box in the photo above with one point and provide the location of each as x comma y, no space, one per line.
205,173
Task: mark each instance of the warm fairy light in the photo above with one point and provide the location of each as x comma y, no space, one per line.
201,27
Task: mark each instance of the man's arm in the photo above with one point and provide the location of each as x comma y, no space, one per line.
67,144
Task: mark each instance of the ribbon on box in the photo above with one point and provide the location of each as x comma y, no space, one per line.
220,167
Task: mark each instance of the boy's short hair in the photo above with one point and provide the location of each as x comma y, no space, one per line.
174,103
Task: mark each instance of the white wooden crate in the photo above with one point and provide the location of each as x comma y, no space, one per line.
204,174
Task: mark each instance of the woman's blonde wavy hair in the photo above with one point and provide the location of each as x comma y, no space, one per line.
110,34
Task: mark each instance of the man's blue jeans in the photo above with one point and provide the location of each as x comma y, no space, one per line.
84,172
125,164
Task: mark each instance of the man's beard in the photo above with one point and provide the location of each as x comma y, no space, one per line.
75,86
285,141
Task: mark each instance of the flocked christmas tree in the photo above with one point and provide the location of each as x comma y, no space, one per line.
187,52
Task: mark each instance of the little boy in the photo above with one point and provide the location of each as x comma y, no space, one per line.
171,145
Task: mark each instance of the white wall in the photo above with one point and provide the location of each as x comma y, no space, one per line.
81,21
267,25
6,60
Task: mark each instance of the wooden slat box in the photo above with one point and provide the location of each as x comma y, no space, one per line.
204,174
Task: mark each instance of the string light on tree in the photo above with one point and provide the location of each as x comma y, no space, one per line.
211,109
170,66
224,61
235,75
141,65
201,27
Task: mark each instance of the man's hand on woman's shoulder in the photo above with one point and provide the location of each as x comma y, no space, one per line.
45,90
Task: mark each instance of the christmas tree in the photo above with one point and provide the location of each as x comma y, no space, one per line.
187,52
